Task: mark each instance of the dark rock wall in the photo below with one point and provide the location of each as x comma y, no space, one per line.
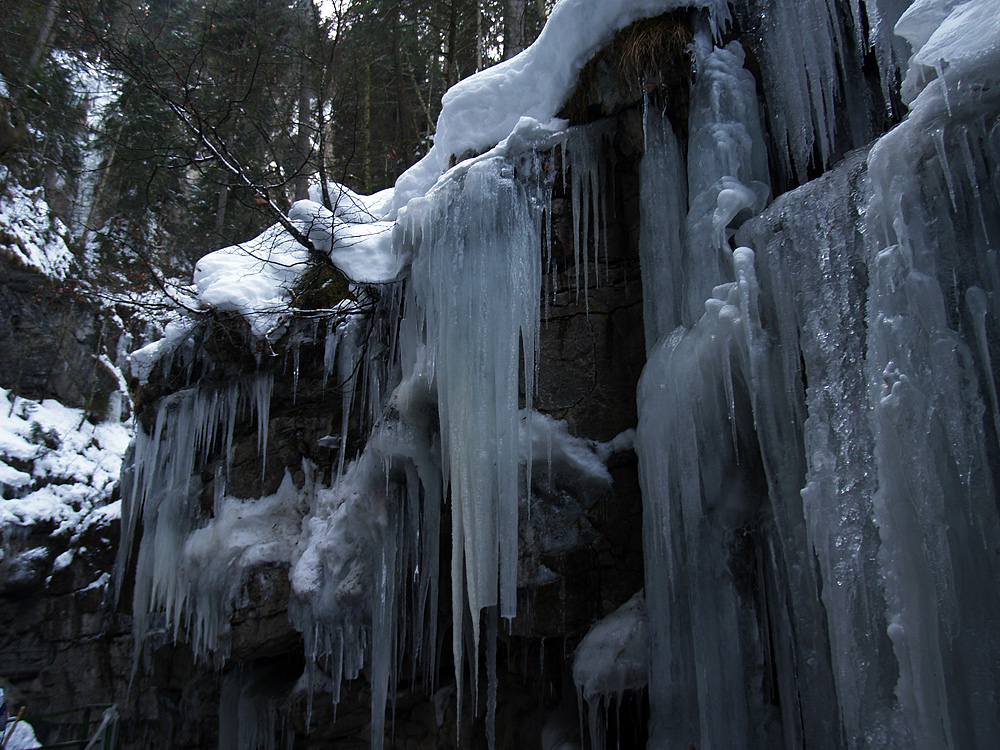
51,339
591,355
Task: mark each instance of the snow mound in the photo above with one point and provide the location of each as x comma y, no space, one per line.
256,278
614,655
482,110
951,40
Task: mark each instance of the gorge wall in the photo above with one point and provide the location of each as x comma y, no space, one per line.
724,337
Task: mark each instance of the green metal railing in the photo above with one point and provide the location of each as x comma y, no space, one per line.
104,737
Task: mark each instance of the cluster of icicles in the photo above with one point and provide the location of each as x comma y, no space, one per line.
818,416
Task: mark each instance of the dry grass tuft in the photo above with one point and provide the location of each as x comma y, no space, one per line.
650,55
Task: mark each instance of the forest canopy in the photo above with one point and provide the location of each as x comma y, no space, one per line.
161,130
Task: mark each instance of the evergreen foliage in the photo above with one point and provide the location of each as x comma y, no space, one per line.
223,112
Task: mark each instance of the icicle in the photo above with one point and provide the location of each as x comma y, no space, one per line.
938,137
263,384
476,287
663,207
584,159
491,677
978,303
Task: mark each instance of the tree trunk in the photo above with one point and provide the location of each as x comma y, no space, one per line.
220,211
451,60
513,27
301,180
403,112
43,35
479,37
367,129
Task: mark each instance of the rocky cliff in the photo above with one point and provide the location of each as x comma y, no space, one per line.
718,335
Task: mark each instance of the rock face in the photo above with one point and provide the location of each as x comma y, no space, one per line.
579,560
52,340
774,532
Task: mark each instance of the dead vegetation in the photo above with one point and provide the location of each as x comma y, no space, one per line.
649,57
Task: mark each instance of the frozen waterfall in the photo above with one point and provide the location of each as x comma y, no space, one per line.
818,434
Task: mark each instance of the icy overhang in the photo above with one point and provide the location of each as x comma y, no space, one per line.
479,112
509,106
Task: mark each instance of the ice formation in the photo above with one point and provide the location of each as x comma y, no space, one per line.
849,476
818,415
611,660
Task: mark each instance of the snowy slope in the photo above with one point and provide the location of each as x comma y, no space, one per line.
55,466
30,231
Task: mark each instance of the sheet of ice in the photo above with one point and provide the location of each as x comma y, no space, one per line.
64,467
933,230
662,214
693,500
809,254
480,111
952,40
727,175
33,233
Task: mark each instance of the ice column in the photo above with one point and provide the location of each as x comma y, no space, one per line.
934,233
694,501
727,176
473,308
663,208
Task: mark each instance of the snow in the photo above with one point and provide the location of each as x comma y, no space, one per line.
215,559
352,207
142,361
55,466
558,458
613,658
22,738
255,278
956,41
32,232
482,110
